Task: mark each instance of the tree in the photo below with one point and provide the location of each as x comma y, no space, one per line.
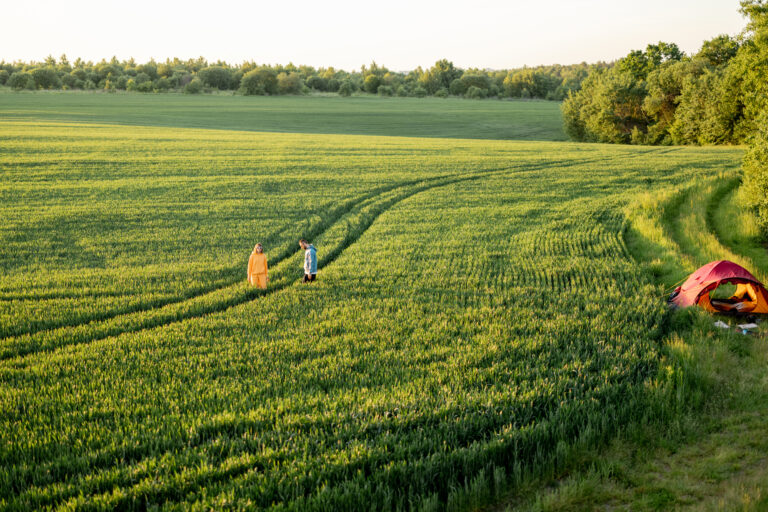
755,67
258,82
20,80
289,83
346,88
195,86
216,77
664,89
46,78
719,50
371,84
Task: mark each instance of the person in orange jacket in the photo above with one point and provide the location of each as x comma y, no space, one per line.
257,268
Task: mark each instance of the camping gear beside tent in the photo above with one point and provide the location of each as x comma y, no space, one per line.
750,295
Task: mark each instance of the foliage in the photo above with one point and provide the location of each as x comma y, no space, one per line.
259,82
551,82
756,107
346,88
216,77
195,86
289,83
21,80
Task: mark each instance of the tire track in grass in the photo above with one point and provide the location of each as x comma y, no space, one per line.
218,299
284,251
195,307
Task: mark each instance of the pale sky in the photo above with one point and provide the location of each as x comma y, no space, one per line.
400,34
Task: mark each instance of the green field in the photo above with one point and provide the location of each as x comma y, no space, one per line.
406,117
482,306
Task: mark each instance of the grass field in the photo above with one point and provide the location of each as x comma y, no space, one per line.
408,117
482,306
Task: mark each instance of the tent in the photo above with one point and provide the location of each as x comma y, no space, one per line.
750,295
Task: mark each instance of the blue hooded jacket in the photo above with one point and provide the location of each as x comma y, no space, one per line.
310,260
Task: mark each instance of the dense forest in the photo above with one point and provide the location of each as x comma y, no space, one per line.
662,96
197,76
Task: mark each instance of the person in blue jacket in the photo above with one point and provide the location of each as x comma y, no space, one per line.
310,261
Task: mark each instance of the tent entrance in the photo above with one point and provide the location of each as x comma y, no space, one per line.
730,297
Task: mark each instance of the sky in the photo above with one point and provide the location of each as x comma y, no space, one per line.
398,34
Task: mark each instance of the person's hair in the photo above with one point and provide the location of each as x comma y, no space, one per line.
302,241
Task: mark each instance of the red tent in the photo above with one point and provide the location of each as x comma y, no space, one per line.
750,296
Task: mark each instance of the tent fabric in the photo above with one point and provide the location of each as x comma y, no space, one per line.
750,296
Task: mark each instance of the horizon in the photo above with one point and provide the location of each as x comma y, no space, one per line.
327,36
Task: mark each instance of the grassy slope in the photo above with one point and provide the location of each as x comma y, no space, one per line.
410,117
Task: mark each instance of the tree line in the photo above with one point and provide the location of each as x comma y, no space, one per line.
718,95
197,76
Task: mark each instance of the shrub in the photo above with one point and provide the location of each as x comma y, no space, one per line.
195,86
20,80
386,90
347,88
162,84
147,86
475,92
441,93
4,76
216,77
258,82
333,85
46,78
130,85
69,81
317,83
371,84
289,83
458,87
419,92
402,91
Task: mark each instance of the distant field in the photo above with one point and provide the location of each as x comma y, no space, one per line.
477,312
408,117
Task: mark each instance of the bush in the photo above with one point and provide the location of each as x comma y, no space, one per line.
162,84
289,83
46,78
476,93
147,86
69,81
402,91
317,83
130,85
333,85
4,76
371,84
458,87
386,90
441,93
419,92
347,88
89,85
258,82
195,86
20,80
216,77
141,78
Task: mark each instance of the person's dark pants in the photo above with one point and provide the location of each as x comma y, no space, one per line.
308,278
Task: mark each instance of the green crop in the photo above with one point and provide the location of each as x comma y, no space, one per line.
477,312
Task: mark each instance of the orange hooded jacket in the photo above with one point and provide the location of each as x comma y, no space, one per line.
257,270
